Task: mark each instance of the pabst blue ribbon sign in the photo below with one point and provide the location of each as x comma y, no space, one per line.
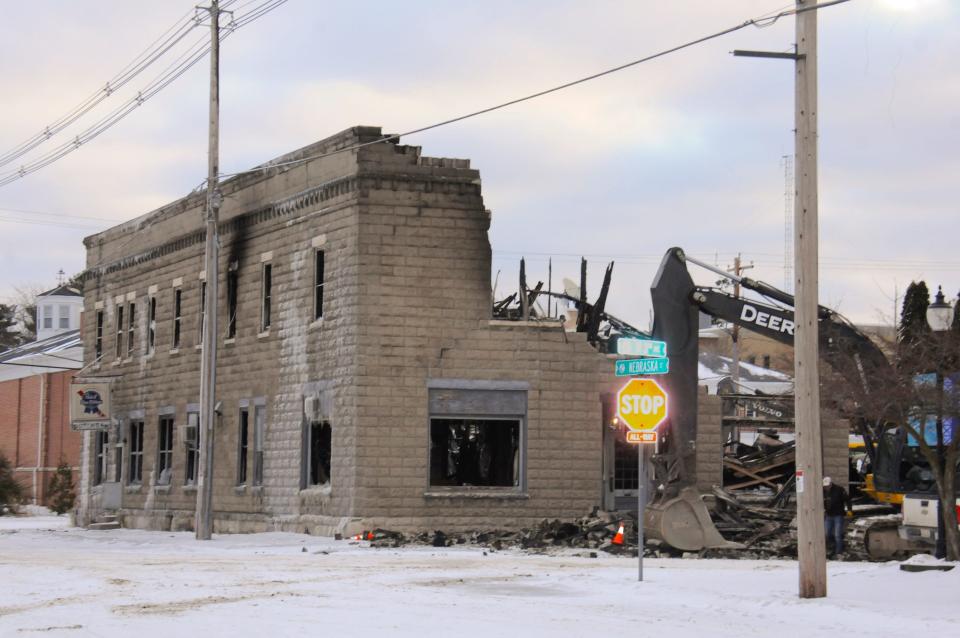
90,406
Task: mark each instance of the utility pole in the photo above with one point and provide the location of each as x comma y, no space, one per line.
208,371
811,550
737,269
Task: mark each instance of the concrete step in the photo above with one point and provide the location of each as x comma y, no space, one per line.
114,524
108,518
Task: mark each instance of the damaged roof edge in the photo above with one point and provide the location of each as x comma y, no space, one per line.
344,139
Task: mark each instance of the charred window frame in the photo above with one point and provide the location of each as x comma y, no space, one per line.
477,436
191,438
98,341
131,327
165,450
120,328
318,283
243,444
177,309
100,457
203,311
266,293
152,325
317,453
135,444
233,272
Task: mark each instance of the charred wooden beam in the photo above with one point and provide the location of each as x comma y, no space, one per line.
582,305
524,303
597,311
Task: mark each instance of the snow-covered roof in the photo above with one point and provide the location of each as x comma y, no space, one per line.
714,368
59,352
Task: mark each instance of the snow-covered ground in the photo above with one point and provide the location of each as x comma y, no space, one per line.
62,581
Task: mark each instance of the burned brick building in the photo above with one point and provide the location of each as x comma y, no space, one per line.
362,378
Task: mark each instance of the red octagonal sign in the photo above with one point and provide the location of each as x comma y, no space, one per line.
642,404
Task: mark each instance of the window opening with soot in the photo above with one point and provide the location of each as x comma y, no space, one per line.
475,452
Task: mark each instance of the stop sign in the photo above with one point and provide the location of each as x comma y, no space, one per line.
642,404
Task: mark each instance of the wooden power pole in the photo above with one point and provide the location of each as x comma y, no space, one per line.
811,548
208,371
738,269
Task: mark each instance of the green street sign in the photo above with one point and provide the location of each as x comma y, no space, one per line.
634,367
641,347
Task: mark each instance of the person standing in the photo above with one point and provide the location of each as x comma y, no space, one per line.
836,503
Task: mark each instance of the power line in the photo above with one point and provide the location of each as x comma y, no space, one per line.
759,22
194,54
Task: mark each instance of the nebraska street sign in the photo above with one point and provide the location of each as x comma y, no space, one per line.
633,367
641,347
642,437
642,404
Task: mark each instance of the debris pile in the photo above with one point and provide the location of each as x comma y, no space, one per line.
770,462
764,524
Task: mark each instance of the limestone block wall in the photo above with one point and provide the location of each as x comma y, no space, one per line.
709,441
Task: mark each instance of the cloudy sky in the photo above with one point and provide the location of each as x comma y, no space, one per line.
682,151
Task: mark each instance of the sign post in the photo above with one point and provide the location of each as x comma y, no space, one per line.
642,406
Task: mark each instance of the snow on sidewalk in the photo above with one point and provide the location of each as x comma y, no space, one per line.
63,581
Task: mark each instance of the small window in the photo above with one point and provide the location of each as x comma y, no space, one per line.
152,326
119,331
165,450
317,461
64,317
100,449
191,443
232,282
177,299
98,340
203,310
242,446
266,284
135,443
131,325
48,317
474,452
318,274
259,432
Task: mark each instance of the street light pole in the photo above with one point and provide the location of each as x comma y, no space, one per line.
940,318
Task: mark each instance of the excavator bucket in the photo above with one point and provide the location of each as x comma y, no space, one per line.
684,523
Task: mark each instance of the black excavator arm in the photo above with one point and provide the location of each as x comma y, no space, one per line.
677,302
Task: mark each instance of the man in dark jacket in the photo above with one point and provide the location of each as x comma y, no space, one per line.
835,505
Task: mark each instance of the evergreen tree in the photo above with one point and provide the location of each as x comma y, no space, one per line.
10,491
9,336
60,495
913,318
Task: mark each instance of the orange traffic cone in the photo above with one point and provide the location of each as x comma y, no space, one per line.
369,536
618,538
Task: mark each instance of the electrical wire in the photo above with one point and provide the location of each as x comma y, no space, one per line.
181,65
755,22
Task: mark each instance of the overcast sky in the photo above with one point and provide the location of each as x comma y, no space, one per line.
682,151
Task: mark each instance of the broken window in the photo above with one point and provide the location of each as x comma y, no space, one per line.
318,453
98,341
119,331
152,326
474,452
242,446
165,450
191,436
131,325
135,442
266,284
259,430
100,448
232,281
177,297
318,274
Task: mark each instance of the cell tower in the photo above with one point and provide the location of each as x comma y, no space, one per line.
788,191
